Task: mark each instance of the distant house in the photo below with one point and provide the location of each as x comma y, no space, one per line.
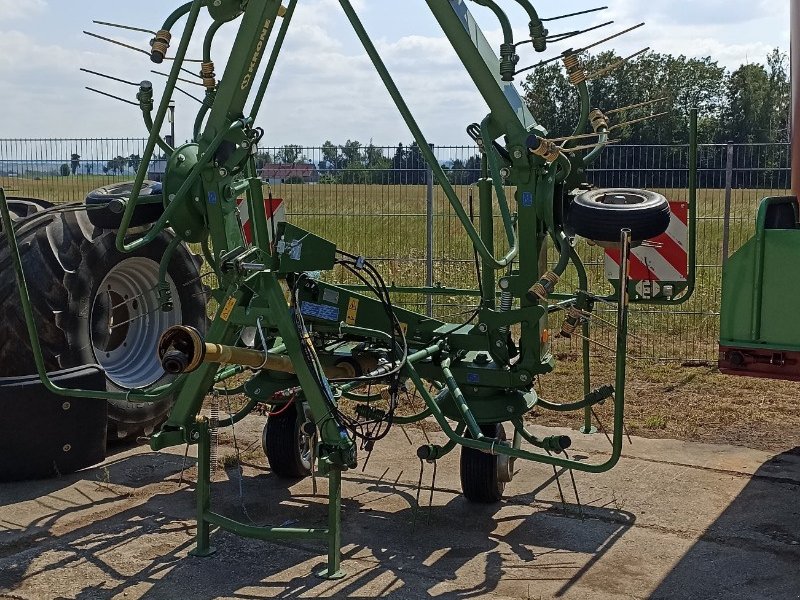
275,173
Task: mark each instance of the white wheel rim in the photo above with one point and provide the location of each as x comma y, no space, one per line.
132,322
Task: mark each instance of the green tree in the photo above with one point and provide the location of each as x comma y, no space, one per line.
289,154
133,161
262,160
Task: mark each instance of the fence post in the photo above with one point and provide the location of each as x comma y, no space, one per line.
429,237
726,222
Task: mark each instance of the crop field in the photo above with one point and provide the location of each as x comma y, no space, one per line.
387,223
674,389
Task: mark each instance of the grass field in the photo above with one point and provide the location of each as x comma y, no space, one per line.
388,224
664,399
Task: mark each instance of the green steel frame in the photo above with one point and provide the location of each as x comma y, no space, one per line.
482,380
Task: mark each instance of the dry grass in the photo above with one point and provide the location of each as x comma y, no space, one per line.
688,403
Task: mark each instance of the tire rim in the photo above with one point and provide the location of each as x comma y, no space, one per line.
621,198
304,447
127,321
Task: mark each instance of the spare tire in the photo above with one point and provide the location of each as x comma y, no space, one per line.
600,214
95,305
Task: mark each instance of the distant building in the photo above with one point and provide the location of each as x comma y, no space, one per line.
276,173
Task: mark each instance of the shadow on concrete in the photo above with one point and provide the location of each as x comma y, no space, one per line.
728,561
403,551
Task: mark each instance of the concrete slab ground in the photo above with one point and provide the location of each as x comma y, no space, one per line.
672,520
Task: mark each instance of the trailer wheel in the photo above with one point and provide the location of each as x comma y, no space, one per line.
482,480
95,305
286,445
599,215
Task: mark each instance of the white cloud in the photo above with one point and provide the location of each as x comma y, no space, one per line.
19,9
324,86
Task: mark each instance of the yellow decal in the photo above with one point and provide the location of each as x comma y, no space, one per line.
229,306
352,311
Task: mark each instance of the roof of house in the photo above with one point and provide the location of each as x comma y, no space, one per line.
285,170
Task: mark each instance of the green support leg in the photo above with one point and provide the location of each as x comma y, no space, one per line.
203,493
333,570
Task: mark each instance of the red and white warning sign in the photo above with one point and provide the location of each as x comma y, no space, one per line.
275,209
662,259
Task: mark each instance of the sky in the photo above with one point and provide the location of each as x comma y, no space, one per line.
324,87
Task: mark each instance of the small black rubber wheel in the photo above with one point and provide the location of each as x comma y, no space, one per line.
100,204
480,475
287,448
599,215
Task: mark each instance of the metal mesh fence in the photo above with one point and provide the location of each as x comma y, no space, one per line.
379,202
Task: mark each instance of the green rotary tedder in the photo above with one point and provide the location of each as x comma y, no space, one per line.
318,356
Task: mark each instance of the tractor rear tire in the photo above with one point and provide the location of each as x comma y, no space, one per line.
480,476
287,448
95,305
21,208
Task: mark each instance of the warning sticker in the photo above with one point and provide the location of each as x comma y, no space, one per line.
352,311
229,306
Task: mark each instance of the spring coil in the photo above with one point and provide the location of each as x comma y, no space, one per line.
546,285
575,70
598,120
208,75
573,319
160,43
213,425
506,304
547,150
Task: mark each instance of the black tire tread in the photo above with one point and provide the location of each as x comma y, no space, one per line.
64,256
281,445
478,470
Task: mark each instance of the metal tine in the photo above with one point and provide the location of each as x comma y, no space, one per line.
569,138
616,65
633,106
589,146
575,14
179,78
542,63
134,48
126,27
116,42
639,120
559,37
112,78
91,89
578,51
195,98
609,38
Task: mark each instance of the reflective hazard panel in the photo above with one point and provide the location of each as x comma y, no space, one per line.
658,268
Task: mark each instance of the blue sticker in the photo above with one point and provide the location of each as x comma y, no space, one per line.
473,378
212,198
320,311
527,199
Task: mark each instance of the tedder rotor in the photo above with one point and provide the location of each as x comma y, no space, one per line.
329,347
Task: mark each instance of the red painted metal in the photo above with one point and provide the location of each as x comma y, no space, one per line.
756,362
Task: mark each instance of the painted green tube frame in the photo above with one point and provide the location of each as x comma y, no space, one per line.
487,375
